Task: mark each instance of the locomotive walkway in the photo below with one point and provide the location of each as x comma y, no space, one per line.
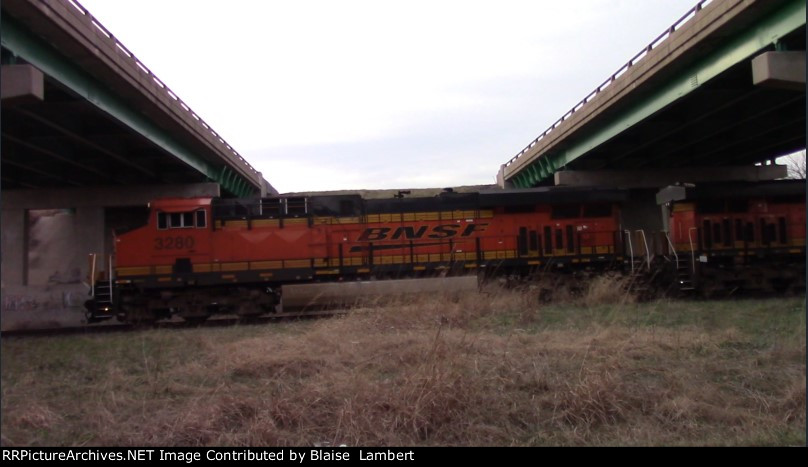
722,89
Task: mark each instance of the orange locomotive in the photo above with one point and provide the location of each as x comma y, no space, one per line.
199,257
747,236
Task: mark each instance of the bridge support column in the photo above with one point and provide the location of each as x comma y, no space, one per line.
641,212
12,242
44,264
501,182
47,236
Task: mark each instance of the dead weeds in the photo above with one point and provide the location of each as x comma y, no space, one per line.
496,368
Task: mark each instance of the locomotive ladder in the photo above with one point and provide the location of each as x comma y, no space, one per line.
686,273
101,292
644,275
683,277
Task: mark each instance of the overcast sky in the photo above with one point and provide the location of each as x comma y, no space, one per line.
325,95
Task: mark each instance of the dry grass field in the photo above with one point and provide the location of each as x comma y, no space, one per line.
498,368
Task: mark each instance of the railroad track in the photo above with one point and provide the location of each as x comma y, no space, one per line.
177,323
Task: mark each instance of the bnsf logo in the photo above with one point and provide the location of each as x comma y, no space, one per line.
413,233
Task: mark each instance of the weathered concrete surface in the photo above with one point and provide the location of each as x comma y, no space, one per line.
46,237
501,182
12,252
784,70
671,193
661,178
646,223
42,307
44,265
20,83
103,196
641,212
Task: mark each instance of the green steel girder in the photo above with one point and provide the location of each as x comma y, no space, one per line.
546,169
231,181
526,178
34,50
538,173
239,185
769,30
531,172
235,184
519,181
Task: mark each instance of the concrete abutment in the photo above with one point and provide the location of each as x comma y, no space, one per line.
47,236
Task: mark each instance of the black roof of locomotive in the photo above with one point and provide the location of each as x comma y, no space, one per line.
448,200
552,195
732,190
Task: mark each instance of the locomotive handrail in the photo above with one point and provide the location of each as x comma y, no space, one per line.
630,249
647,251
109,275
673,249
620,72
92,275
692,251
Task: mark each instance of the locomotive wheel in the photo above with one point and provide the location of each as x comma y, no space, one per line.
193,315
135,311
249,310
195,320
140,316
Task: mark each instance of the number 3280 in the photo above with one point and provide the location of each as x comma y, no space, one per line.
173,243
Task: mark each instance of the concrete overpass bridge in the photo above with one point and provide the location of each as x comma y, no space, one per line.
90,135
721,90
80,109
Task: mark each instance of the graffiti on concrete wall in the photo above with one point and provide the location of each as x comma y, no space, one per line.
19,303
52,301
52,256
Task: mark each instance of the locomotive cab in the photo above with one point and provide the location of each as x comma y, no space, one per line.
177,236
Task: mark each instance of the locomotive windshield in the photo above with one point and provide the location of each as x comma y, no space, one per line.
181,220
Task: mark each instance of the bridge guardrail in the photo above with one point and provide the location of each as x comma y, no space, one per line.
634,60
144,69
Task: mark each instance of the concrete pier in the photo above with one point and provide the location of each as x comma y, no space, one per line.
46,237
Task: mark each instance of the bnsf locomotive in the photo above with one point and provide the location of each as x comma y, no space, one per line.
199,257
729,236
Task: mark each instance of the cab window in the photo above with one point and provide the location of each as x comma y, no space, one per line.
181,220
200,218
